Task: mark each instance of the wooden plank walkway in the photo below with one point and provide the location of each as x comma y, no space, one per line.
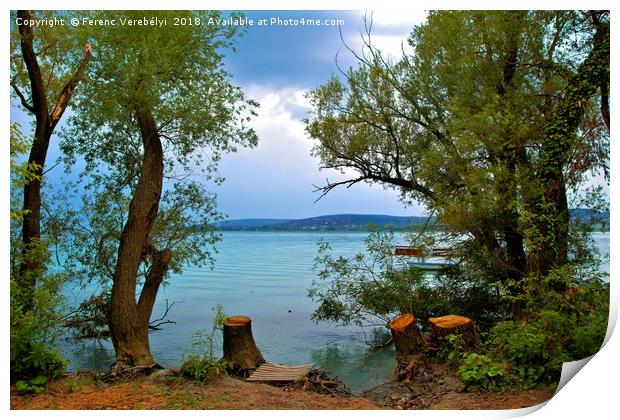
273,372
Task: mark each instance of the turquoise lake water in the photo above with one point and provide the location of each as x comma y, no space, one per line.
264,275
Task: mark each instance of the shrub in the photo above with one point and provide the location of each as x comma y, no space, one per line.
34,313
452,349
203,368
34,333
536,348
31,386
33,360
588,336
482,371
201,364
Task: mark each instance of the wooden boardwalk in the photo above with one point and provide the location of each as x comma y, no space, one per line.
272,372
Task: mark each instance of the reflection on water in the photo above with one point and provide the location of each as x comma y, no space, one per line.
95,355
360,369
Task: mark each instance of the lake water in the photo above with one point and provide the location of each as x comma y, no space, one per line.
264,275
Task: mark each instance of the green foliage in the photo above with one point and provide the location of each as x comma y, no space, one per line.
536,347
363,288
201,364
491,147
588,335
31,386
35,332
559,327
59,48
203,369
200,115
452,349
22,172
481,371
376,285
34,318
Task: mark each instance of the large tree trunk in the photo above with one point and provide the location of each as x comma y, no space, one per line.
128,319
510,157
154,278
31,266
554,220
240,351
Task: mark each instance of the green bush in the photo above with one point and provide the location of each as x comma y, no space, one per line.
588,336
536,349
31,386
479,370
34,360
201,364
204,368
519,342
452,349
34,332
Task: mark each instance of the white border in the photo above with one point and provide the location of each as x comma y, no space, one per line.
592,393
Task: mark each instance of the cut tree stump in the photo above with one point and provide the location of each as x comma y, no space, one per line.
443,326
406,336
408,343
240,351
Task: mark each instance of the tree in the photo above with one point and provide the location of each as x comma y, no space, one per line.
91,235
489,124
145,114
373,287
34,331
44,66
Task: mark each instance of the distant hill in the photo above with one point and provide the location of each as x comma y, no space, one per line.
248,223
600,220
360,222
329,222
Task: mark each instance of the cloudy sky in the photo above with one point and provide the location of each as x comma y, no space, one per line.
275,66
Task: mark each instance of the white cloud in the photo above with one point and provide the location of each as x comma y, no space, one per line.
396,16
391,45
389,31
276,178
283,147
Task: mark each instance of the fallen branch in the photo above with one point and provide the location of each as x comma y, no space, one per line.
156,323
93,323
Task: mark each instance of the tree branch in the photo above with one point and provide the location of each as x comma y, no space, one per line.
22,98
67,91
156,323
39,99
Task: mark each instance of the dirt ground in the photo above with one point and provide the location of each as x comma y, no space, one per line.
436,387
73,393
88,393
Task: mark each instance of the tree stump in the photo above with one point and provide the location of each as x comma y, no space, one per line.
443,326
405,335
240,351
408,343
